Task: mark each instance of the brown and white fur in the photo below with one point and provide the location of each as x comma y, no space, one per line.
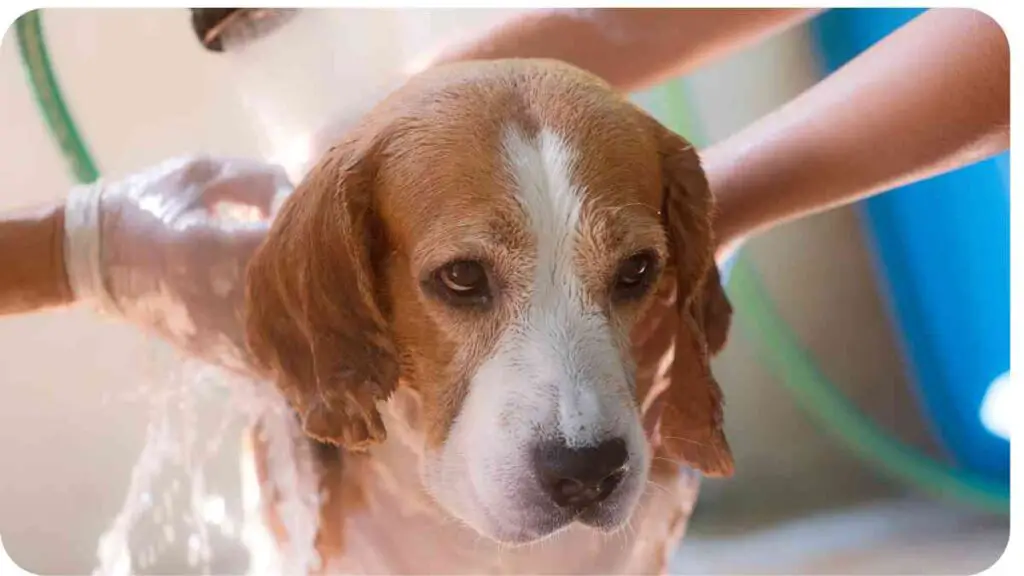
429,408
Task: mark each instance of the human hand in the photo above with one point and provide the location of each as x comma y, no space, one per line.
167,248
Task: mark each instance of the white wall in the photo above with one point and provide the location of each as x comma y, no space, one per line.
142,89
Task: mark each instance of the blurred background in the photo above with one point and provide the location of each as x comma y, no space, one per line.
856,383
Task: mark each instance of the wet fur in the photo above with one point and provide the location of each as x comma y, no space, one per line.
334,320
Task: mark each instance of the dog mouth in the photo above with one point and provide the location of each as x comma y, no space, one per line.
540,519
601,518
552,523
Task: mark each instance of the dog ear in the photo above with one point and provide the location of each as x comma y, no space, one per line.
688,409
316,314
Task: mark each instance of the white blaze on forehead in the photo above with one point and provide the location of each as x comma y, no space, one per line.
541,172
561,349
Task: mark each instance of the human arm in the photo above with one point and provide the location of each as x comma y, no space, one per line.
931,97
630,48
164,248
32,273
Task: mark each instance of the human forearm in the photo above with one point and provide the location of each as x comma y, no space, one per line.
931,97
32,273
631,48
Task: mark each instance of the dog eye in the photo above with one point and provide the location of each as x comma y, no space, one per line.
464,282
634,276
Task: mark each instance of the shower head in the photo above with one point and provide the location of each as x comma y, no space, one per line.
220,29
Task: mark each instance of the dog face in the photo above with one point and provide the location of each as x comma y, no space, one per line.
490,236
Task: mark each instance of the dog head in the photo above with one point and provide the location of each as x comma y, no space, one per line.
491,236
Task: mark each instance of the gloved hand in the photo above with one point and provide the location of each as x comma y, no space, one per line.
167,248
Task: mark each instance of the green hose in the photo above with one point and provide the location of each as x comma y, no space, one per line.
778,345
781,350
35,58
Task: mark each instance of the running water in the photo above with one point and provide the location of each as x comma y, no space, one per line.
311,71
195,413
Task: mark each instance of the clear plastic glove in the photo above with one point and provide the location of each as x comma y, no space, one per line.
167,248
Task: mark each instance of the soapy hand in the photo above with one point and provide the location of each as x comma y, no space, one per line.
167,248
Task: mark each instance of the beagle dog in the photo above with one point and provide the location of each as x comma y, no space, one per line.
491,306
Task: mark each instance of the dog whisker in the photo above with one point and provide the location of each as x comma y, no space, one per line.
688,440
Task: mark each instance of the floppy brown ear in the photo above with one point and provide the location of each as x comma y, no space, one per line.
691,422
314,319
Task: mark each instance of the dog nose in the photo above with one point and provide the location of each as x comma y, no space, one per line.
581,477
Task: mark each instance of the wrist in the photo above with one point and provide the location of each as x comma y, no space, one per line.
32,260
726,224
763,176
